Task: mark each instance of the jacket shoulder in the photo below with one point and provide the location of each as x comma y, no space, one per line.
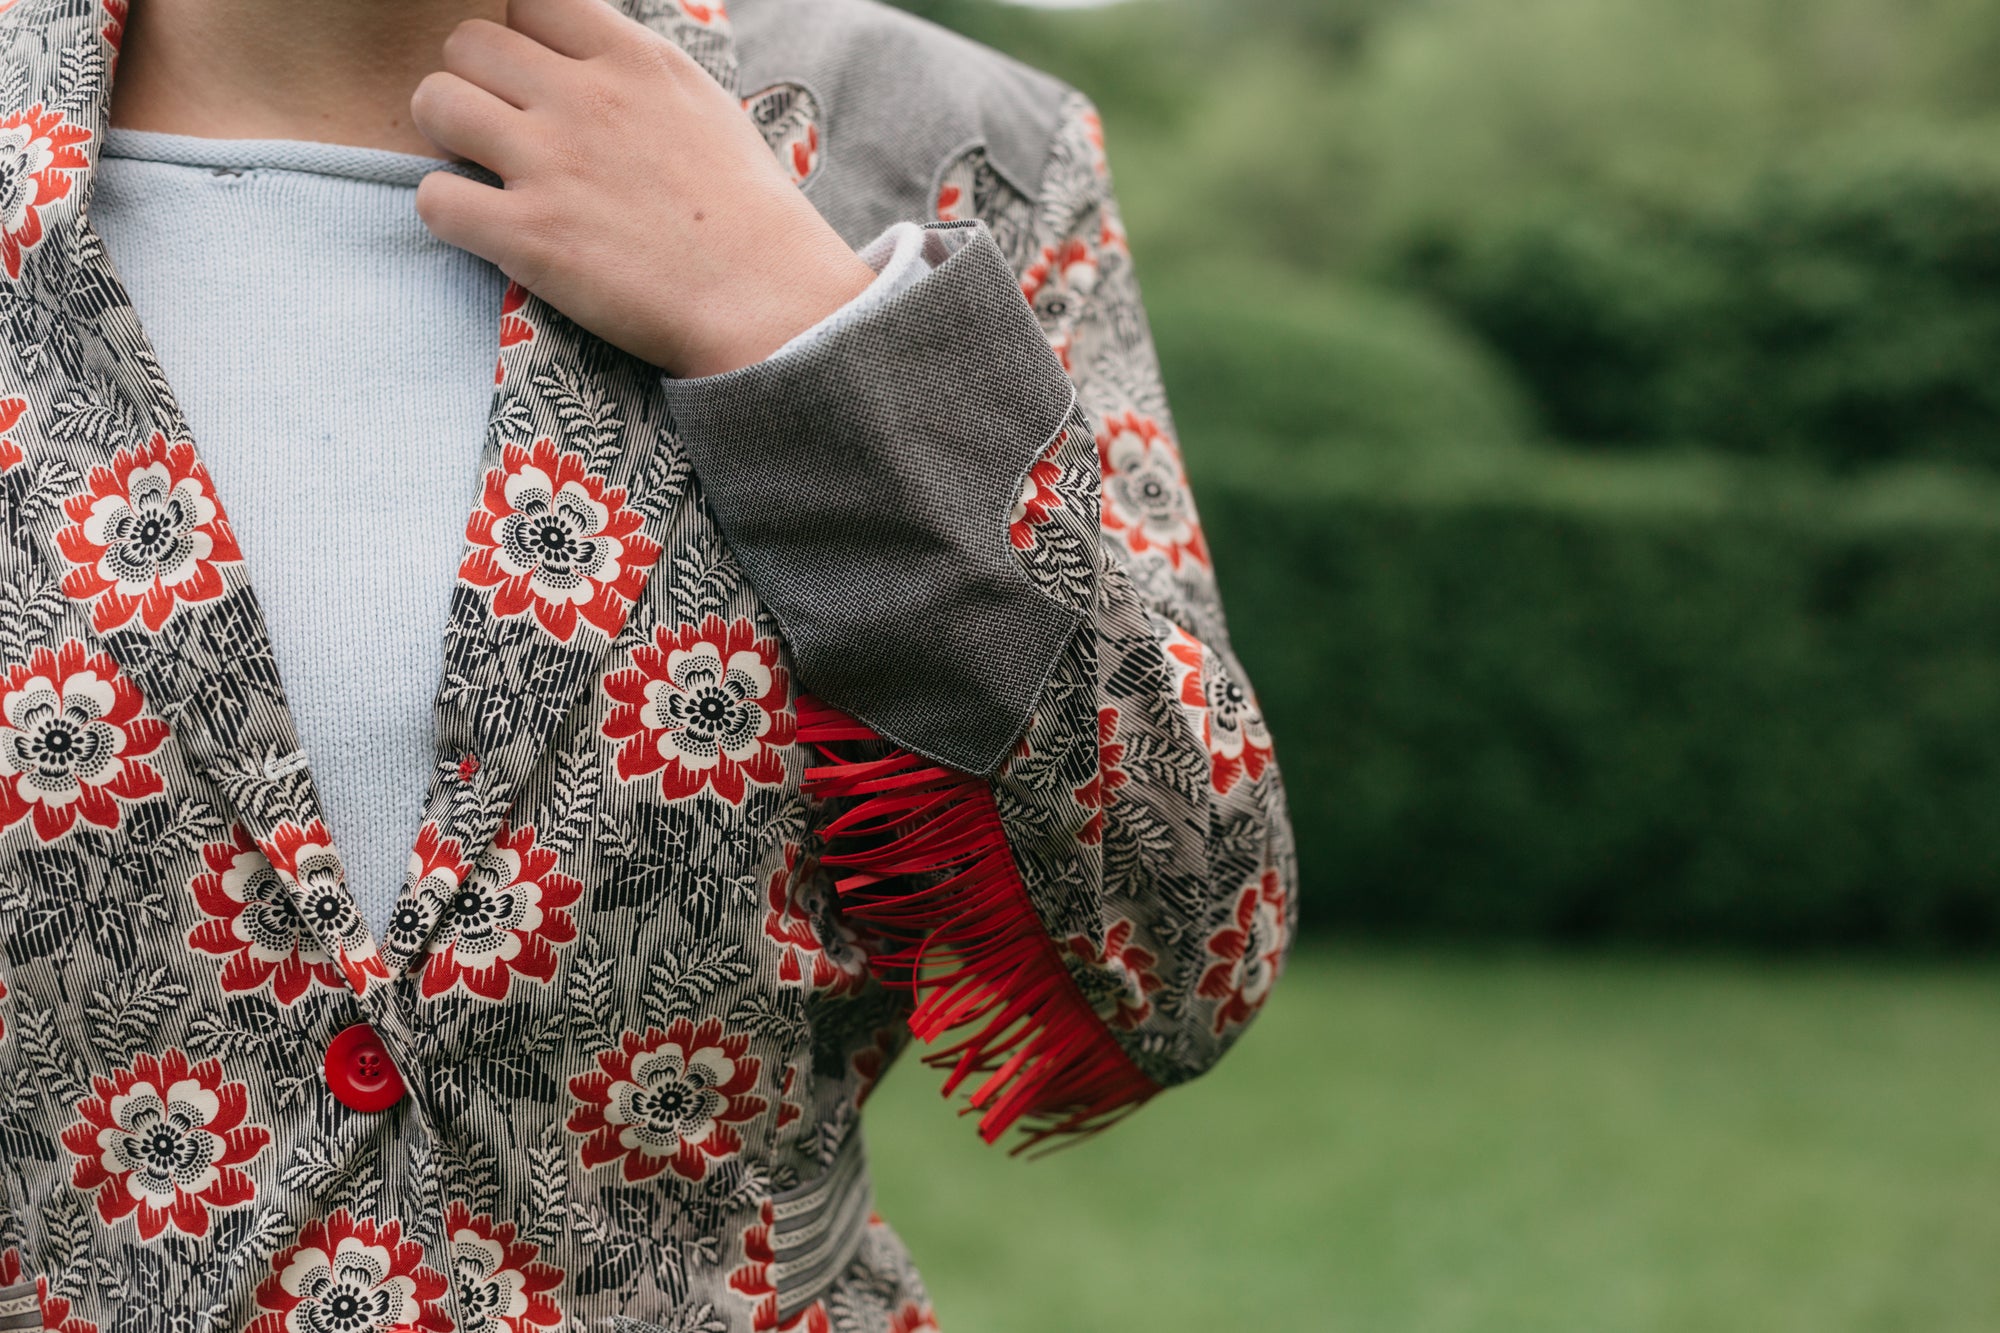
897,99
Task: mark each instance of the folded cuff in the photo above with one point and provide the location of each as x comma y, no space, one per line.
865,481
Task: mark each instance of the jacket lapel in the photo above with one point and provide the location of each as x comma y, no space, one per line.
110,468
576,430
578,438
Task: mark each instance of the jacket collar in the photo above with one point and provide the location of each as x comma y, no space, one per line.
206,666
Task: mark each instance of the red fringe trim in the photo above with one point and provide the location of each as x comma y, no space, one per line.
969,945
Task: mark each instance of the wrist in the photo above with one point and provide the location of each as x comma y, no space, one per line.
799,292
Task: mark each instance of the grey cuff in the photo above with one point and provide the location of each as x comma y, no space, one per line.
865,484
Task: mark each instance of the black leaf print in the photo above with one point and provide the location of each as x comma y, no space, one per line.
125,1015
548,1187
563,822
589,417
28,616
96,414
684,981
511,422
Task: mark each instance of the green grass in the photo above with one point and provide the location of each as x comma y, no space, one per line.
1430,1143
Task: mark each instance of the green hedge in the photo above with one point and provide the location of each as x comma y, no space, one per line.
1532,695
1250,352
1845,309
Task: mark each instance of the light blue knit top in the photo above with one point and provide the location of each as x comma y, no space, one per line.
335,364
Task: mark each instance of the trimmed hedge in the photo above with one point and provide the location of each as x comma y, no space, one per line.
1846,309
1253,353
1547,697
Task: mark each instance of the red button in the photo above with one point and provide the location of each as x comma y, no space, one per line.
359,1071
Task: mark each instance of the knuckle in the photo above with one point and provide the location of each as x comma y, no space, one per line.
566,157
654,57
430,95
536,233
602,100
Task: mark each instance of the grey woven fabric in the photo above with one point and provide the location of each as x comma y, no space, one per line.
876,64
865,487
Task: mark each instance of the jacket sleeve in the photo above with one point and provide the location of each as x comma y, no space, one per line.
1046,783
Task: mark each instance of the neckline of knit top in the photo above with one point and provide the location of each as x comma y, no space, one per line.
335,362
382,166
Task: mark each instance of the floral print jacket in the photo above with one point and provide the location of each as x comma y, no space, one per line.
782,716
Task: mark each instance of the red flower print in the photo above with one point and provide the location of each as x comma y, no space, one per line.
950,196
165,1140
1249,953
708,706
306,857
1117,978
38,151
255,925
1038,496
55,1315
498,921
10,412
666,1099
552,539
787,115
351,1275
871,1062
805,154
913,1318
3,1037
71,740
1097,793
1056,285
515,327
501,1288
707,15
1146,498
1111,235
1231,725
113,30
753,1278
147,535
820,949
468,767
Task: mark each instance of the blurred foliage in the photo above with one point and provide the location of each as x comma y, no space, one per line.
1846,310
1248,353
1672,699
1591,405
1769,226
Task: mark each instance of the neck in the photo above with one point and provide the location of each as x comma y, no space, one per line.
335,71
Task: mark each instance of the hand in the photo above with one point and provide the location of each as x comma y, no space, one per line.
640,200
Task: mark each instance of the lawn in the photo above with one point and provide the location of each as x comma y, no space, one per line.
1431,1142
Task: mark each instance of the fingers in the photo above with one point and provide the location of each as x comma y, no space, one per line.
576,28
462,118
511,65
468,214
